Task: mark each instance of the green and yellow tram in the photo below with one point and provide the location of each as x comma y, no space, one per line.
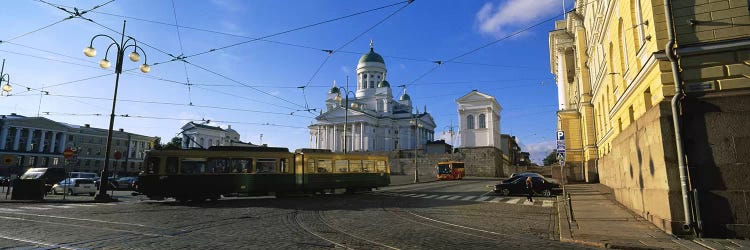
199,174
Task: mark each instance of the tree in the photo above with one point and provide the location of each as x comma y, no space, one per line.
175,143
551,158
157,143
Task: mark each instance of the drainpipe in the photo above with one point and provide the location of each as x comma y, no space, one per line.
672,56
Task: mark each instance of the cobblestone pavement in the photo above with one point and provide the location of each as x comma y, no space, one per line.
390,218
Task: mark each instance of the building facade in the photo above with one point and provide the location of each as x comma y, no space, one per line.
511,150
618,92
479,120
196,135
27,142
371,120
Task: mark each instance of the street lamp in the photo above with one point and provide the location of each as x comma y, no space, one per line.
5,77
346,108
104,63
415,122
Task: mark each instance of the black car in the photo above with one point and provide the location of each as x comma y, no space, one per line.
517,185
126,183
515,176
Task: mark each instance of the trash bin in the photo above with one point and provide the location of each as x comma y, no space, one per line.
28,189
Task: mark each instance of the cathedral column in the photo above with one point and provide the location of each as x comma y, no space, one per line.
17,139
42,137
29,138
362,136
63,141
354,128
52,148
335,139
3,136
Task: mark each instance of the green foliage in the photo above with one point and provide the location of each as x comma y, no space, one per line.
551,158
175,143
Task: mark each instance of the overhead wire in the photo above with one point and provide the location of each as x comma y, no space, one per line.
184,65
48,113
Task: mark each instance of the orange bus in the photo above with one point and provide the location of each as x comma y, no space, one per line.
450,170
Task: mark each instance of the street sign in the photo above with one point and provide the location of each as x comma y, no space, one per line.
560,135
68,153
118,155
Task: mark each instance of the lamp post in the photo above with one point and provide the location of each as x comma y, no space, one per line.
5,77
346,108
416,124
121,47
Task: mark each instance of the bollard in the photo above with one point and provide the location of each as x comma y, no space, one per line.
570,208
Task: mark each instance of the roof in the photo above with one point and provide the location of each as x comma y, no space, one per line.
371,57
404,97
383,83
204,126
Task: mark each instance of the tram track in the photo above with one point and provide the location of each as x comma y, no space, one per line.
315,224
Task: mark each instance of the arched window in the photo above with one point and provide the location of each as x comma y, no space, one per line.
481,121
623,49
470,122
637,19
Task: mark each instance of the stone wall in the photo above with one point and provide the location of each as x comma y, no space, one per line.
480,161
717,145
642,170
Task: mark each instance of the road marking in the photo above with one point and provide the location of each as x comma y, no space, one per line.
497,200
419,195
547,203
36,208
468,198
81,205
528,203
111,204
430,196
58,206
50,245
443,197
513,201
10,210
483,198
454,197
410,195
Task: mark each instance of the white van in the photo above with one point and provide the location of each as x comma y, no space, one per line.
83,175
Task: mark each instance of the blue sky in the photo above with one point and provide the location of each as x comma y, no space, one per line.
253,86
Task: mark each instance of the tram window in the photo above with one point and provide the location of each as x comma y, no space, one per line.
325,166
265,166
241,166
368,166
284,163
217,165
152,165
380,166
342,166
193,166
355,166
310,166
171,165
443,169
458,165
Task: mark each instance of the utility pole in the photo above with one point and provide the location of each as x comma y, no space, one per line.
416,147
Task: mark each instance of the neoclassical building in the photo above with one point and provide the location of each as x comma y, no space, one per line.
373,121
196,135
479,117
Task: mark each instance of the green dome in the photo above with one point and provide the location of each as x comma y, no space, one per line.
371,57
384,83
404,97
334,90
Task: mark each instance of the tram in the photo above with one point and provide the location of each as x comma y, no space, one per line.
200,174
450,170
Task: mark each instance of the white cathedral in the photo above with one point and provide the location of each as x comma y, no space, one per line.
373,120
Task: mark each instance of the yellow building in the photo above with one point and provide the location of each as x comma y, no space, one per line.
616,87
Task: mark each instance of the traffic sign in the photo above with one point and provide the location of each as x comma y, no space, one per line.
68,153
560,135
118,155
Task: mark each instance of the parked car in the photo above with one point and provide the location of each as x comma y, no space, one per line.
75,186
541,185
89,175
4,181
515,176
49,175
127,183
112,181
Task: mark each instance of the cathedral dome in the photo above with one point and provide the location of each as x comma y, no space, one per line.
334,90
384,83
371,57
404,97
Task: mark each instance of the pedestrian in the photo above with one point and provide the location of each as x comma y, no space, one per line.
529,188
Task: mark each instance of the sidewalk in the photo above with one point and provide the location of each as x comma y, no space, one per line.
600,221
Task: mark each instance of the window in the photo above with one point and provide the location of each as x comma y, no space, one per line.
637,20
342,166
631,114
241,166
481,121
355,166
310,166
171,165
193,166
380,167
152,165
368,166
265,166
324,166
647,98
623,49
470,122
217,165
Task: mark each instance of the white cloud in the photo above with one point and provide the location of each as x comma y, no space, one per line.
503,18
539,150
346,70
